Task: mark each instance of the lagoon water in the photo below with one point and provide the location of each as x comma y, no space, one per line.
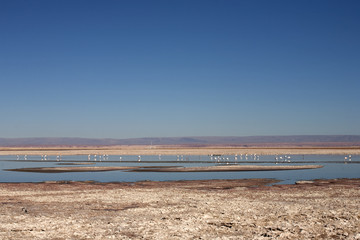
335,166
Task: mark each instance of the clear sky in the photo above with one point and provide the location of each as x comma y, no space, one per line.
123,69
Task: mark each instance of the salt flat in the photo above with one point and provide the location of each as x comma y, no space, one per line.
209,209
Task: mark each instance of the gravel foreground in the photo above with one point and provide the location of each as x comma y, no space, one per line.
211,209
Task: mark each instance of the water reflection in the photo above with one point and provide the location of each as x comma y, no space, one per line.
335,166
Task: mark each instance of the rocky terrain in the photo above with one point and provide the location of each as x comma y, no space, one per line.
215,209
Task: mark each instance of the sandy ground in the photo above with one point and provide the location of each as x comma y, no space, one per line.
212,209
175,150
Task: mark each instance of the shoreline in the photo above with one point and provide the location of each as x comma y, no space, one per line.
229,168
177,150
206,183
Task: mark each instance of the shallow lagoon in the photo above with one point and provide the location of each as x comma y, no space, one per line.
335,166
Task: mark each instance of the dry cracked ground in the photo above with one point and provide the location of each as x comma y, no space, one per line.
215,209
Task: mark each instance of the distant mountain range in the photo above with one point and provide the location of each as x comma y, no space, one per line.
297,140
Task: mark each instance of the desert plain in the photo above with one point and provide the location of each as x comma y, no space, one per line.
201,209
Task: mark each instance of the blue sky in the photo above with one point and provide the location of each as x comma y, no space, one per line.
123,69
